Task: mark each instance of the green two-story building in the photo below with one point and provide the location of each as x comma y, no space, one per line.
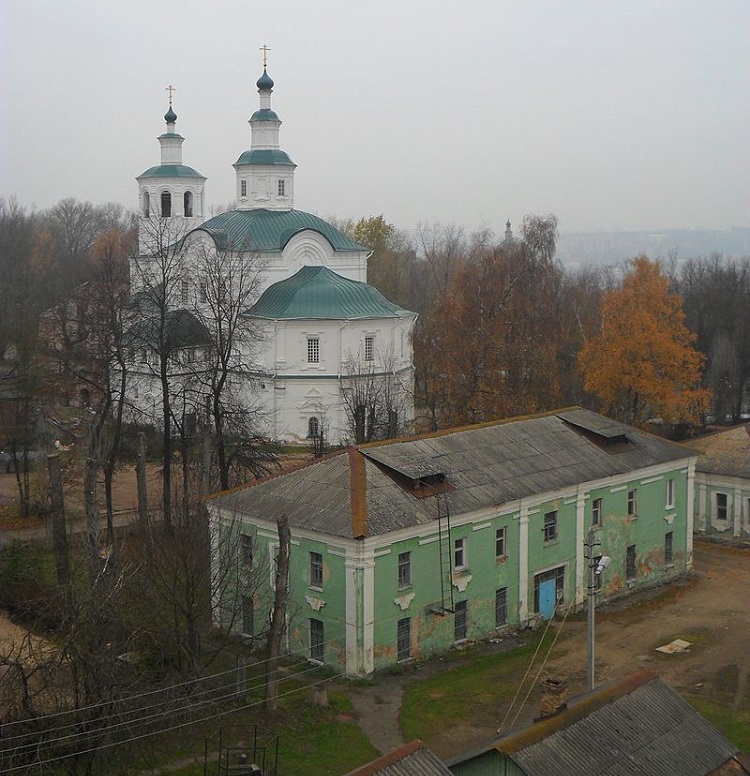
401,549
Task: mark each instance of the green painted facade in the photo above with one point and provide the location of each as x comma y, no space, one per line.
418,590
362,585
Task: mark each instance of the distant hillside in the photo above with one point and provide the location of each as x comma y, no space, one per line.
603,248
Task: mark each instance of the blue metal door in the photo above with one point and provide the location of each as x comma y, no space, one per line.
547,598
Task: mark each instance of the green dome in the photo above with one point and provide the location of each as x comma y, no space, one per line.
268,231
318,292
265,82
264,114
170,171
264,156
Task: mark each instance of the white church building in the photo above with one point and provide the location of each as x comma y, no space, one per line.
324,332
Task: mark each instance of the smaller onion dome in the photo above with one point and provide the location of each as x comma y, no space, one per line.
170,116
265,82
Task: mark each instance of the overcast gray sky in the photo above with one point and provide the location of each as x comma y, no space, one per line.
631,114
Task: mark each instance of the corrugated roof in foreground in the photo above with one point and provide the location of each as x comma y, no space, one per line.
638,725
484,466
413,759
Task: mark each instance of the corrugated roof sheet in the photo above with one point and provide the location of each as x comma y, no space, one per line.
264,230
649,730
726,452
486,466
318,292
413,759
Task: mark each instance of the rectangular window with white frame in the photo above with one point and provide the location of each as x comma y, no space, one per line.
633,503
369,348
316,570
460,560
670,493
550,526
630,563
246,552
404,570
596,512
317,641
403,639
243,188
313,350
281,187
501,607
501,543
722,506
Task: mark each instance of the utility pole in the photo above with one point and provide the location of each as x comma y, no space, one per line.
596,565
591,583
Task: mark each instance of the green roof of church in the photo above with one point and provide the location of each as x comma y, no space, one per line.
264,231
318,292
264,114
264,156
181,330
170,171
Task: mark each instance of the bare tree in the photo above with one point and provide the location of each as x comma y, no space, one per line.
228,284
157,282
374,397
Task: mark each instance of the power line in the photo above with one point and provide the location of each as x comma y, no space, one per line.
166,730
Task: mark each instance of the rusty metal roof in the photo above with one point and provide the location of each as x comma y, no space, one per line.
725,452
634,725
482,466
413,759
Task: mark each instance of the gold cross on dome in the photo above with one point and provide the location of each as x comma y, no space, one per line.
170,89
265,51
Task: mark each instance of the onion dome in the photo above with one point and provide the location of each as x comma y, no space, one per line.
170,116
265,82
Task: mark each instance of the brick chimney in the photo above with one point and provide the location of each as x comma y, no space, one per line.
553,697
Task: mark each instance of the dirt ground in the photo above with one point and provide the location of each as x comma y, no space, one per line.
711,609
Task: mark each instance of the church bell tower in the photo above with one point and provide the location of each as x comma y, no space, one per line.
170,195
265,173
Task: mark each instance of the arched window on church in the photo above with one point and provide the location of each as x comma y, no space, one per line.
146,204
166,204
188,204
313,428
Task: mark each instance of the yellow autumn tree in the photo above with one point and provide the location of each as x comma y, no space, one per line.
642,364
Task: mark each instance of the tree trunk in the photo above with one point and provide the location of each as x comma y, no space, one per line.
92,523
140,474
278,618
59,535
206,463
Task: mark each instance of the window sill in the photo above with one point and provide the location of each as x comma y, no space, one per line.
669,565
316,589
551,542
501,559
405,588
632,518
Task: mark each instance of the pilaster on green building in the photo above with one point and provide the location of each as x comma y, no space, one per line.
403,549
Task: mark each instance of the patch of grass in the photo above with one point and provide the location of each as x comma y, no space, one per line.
437,703
735,725
314,741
